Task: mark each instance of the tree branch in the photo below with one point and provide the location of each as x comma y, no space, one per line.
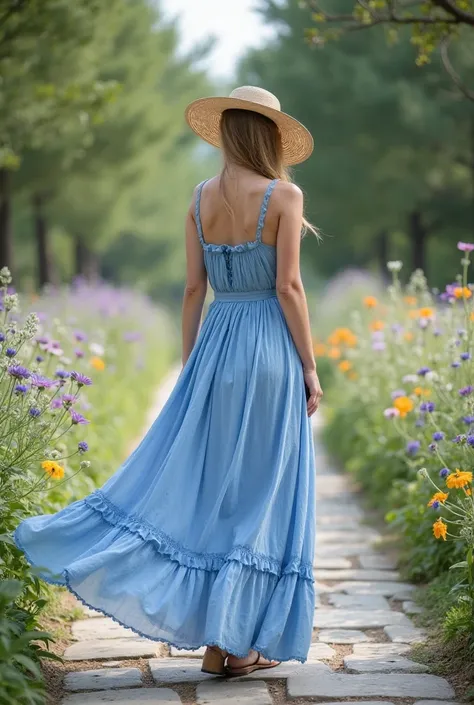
461,15
379,18
455,77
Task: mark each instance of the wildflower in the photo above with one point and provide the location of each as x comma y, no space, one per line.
410,300
458,479
68,399
468,420
377,325
470,440
466,391
410,379
39,358
427,406
423,472
462,292
438,436
439,497
421,392
97,363
413,447
423,371
2,337
435,505
319,349
132,337
62,374
53,469
408,336
426,312
82,447
10,352
85,464
34,412
465,356
370,301
5,276
443,473
455,364
334,353
379,345
56,404
80,336
41,383
345,365
394,266
21,389
440,529
79,353
80,379
465,246
96,349
404,405
19,372
432,447
391,413
77,418
398,393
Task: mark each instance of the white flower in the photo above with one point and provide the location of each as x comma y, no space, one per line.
5,276
413,379
449,387
11,302
394,266
432,376
85,464
96,349
423,472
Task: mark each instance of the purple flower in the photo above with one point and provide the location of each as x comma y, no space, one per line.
68,399
39,358
468,420
80,336
432,447
62,374
444,472
42,382
21,389
435,505
413,447
77,418
131,337
438,436
19,372
34,412
42,340
79,353
427,406
2,337
465,356
465,246
80,379
391,413
56,404
455,364
460,438
470,440
466,391
419,423
10,352
437,332
378,345
423,371
82,447
398,393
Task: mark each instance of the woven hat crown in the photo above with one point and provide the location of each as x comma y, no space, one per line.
256,95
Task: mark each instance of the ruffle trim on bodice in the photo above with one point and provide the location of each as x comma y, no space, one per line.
165,545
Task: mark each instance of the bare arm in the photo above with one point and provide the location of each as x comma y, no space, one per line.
290,290
195,289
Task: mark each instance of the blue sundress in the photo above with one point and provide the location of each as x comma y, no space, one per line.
205,535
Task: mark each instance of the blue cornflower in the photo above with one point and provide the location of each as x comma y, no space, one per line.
470,440
21,389
444,472
62,374
455,364
82,447
39,358
466,391
34,412
435,505
432,447
2,337
10,352
465,356
19,372
427,406
423,371
413,447
468,420
438,436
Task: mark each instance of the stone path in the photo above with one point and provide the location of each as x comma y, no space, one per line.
361,641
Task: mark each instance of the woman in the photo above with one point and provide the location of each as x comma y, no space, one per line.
205,535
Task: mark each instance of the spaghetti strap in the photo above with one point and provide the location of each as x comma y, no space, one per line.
264,208
197,212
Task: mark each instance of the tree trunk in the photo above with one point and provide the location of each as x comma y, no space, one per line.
46,270
419,237
79,256
6,236
382,243
87,261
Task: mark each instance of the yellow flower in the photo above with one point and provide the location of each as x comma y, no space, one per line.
440,529
426,312
438,497
345,365
377,325
334,353
462,292
342,336
404,405
319,349
97,363
468,492
370,301
458,479
420,392
53,469
410,300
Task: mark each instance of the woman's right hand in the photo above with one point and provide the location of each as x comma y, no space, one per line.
311,380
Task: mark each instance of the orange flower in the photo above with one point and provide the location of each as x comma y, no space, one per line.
334,353
370,301
377,325
345,365
404,405
97,363
420,392
438,497
458,479
410,300
342,336
319,349
53,469
408,336
440,529
462,292
426,312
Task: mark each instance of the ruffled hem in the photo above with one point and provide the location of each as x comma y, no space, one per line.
165,545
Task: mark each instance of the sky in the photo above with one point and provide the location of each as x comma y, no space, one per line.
234,23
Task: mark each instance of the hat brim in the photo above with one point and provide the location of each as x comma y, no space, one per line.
204,115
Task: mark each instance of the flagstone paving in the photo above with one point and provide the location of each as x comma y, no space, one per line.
361,641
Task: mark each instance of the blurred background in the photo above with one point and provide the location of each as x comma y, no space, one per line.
97,165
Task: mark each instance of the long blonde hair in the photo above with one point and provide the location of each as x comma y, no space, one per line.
253,141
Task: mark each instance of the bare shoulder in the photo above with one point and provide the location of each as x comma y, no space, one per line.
288,195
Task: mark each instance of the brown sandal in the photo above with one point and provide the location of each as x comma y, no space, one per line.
214,661
257,666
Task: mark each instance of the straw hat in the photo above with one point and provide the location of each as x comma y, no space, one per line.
204,115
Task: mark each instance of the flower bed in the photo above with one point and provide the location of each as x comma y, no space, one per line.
401,418
76,378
